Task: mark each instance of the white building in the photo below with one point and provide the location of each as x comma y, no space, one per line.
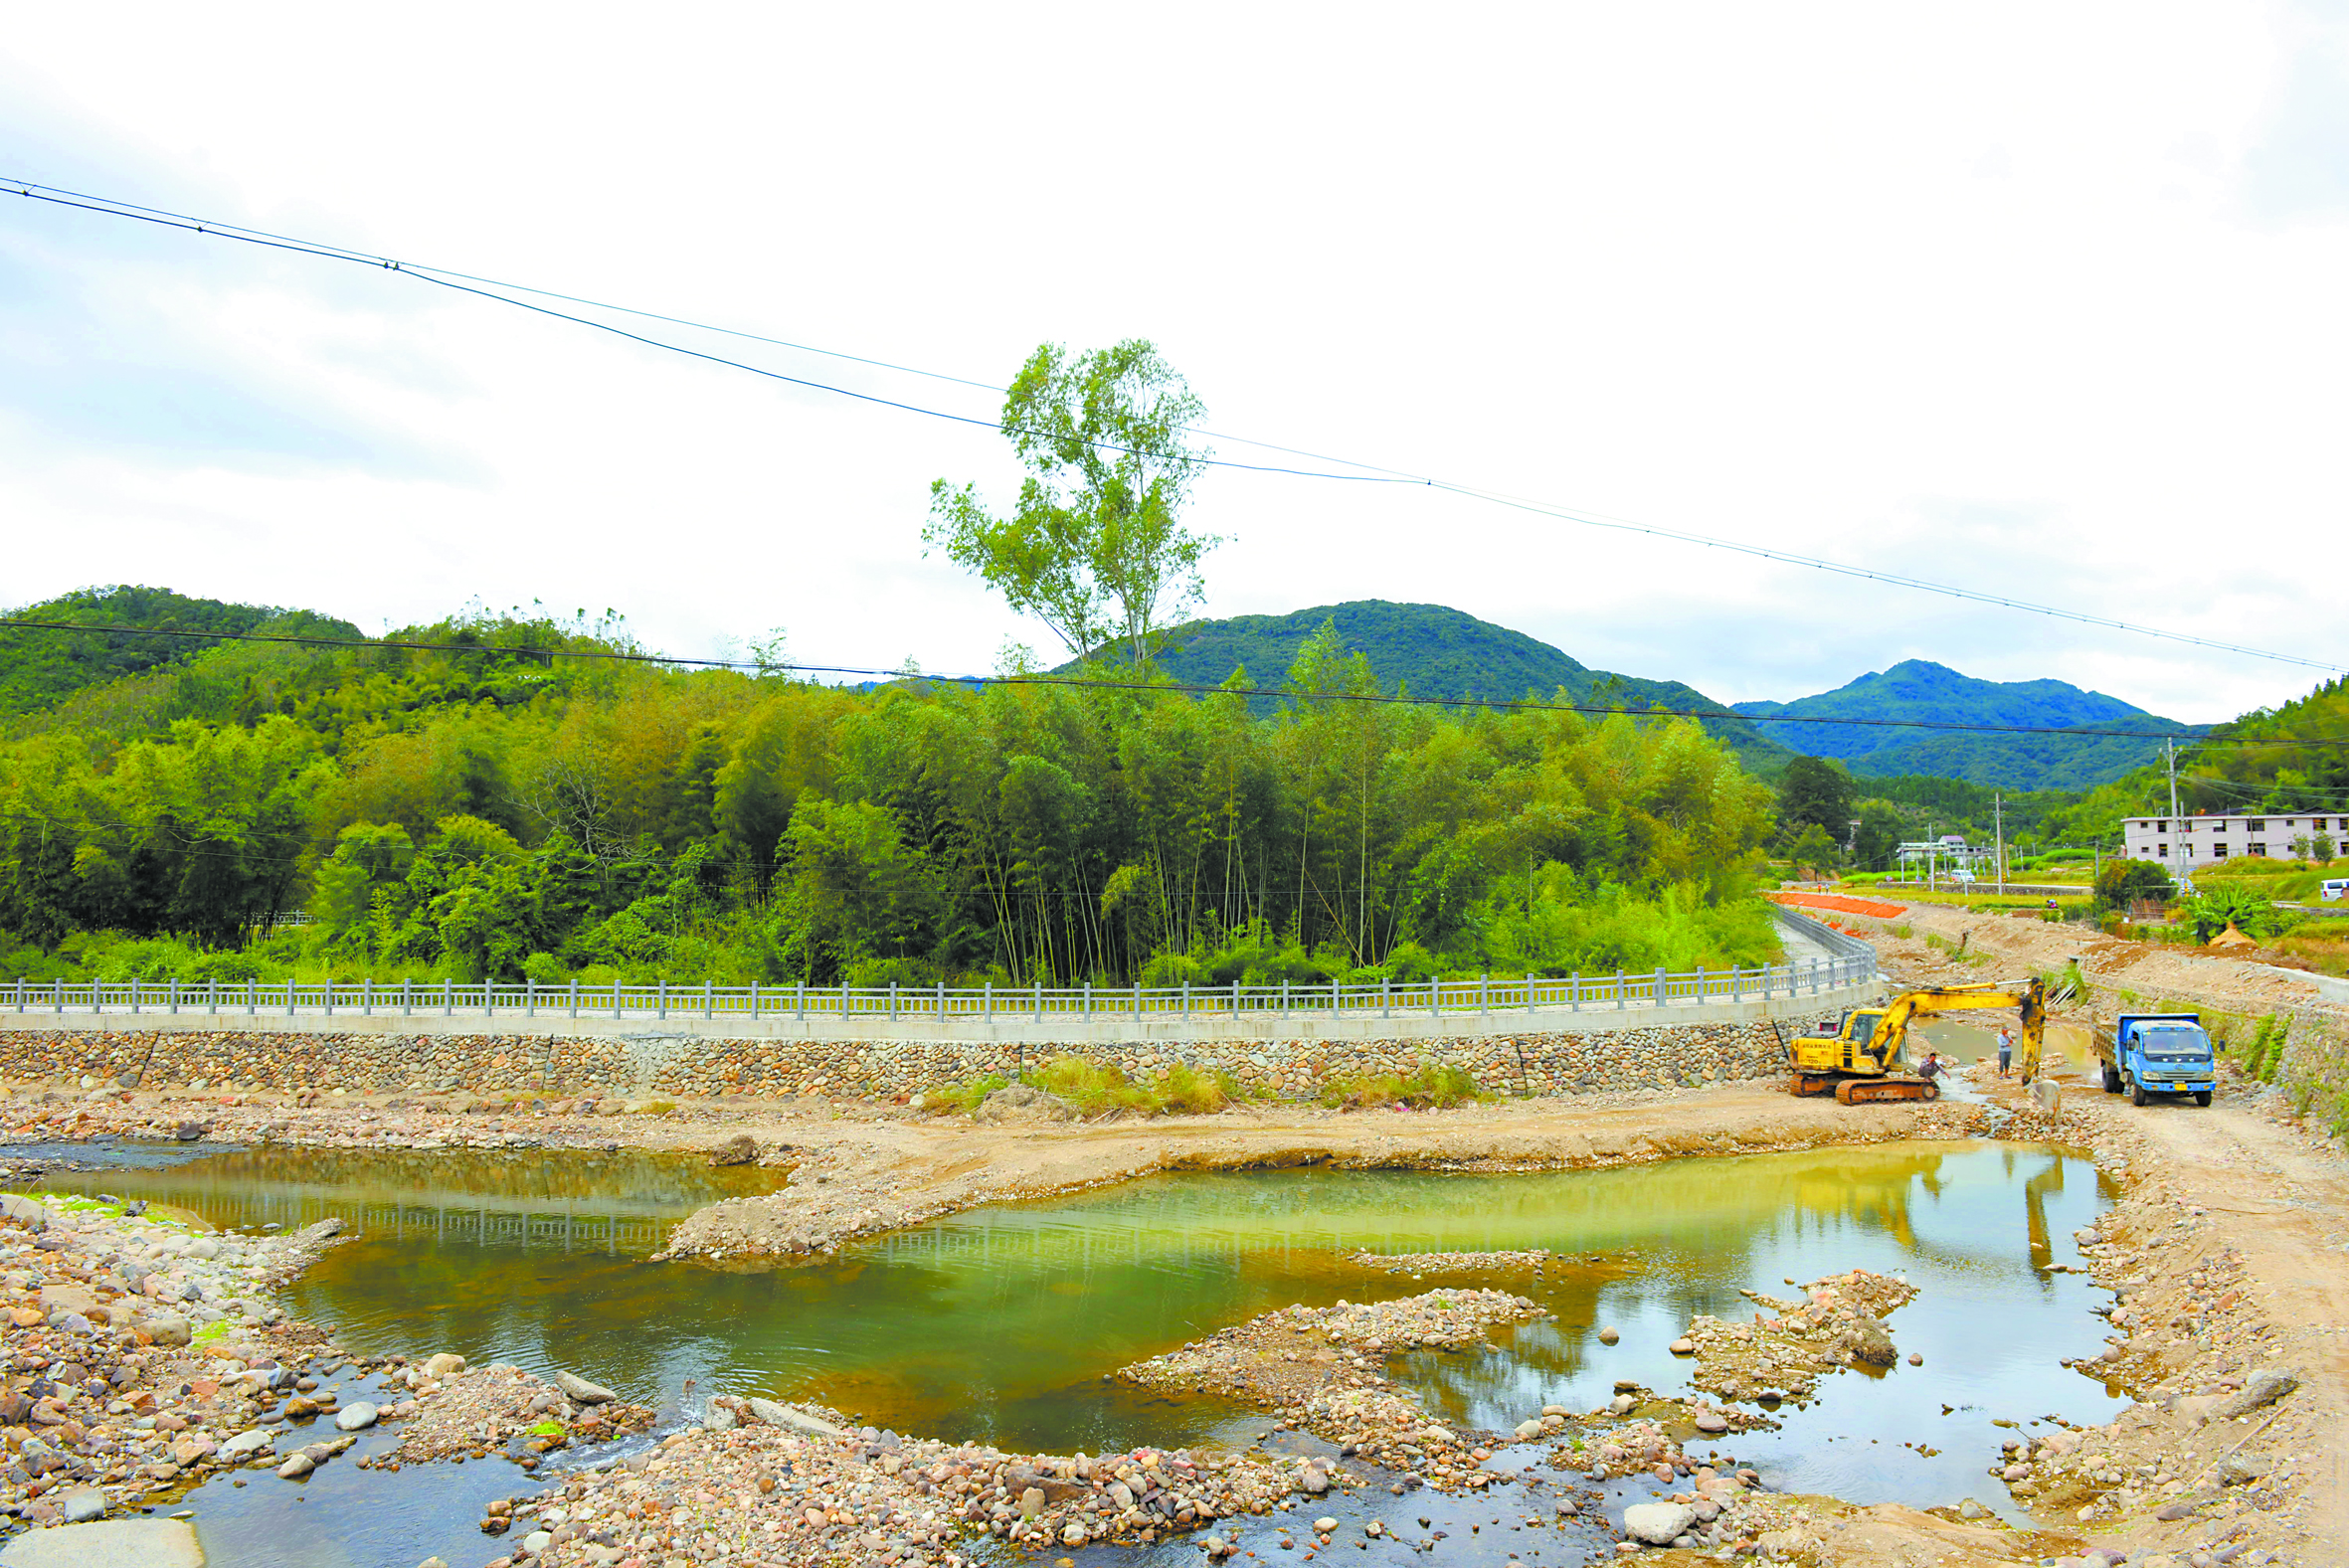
2191,841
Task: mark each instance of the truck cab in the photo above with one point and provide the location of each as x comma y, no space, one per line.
2157,1054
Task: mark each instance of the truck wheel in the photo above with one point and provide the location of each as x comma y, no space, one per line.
2136,1093
2111,1079
2202,1096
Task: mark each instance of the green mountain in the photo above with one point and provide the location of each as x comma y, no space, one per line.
1437,652
75,673
1920,691
41,668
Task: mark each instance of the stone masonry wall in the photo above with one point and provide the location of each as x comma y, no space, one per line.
690,1066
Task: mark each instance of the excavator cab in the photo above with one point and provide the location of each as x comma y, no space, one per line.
1850,1049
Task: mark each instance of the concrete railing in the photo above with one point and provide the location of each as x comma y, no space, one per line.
1535,997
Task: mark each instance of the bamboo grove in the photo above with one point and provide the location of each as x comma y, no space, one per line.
501,807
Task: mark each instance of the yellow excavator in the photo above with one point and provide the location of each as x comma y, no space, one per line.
1859,1058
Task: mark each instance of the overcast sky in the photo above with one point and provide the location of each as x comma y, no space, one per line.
2042,300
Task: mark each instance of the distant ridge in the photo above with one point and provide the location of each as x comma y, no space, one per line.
1436,651
1921,689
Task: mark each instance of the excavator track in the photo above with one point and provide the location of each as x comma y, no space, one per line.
1874,1091
1809,1084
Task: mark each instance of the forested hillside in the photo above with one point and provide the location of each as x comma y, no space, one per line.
506,804
1438,653
1919,689
2292,758
40,670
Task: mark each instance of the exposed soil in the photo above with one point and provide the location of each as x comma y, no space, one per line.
2001,947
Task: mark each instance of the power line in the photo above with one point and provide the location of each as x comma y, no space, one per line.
447,280
487,288
1095,682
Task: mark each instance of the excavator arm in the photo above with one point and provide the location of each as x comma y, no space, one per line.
1890,1038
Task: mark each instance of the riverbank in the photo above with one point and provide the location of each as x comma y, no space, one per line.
2251,1276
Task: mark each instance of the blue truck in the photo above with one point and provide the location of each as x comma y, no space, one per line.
2166,1053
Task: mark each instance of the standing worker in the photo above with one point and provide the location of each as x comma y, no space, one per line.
2006,1048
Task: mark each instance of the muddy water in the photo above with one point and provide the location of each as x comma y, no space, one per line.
998,1324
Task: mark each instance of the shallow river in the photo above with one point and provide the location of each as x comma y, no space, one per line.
999,1324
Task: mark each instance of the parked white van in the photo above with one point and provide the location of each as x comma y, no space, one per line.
2337,887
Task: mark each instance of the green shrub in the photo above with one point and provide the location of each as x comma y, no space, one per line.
1904,931
1182,1089
963,1097
2254,1053
1441,1087
1089,1086
2065,986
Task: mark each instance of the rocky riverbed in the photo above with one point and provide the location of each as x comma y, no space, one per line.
787,1484
1787,1347
1324,1368
1417,1264
144,1355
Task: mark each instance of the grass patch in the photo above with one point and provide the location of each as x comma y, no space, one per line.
1182,1089
1091,1086
1440,1087
1904,931
963,1098
547,1429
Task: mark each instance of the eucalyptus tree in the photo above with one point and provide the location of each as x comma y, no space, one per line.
1094,547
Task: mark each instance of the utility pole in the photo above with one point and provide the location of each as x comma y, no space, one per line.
2169,750
1998,819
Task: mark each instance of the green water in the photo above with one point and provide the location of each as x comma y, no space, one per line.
999,1324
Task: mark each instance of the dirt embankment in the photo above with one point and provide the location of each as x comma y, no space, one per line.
2000,947
874,1179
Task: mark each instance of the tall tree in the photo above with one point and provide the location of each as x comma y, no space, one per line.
1094,547
1815,792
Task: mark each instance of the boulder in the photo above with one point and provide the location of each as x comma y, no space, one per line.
356,1418
779,1415
1867,1341
1658,1523
109,1543
583,1392
245,1445
442,1365
2261,1390
296,1466
23,1210
190,1132
1021,1102
168,1328
740,1150
2238,1470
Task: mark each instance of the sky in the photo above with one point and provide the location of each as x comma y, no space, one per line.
2040,302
